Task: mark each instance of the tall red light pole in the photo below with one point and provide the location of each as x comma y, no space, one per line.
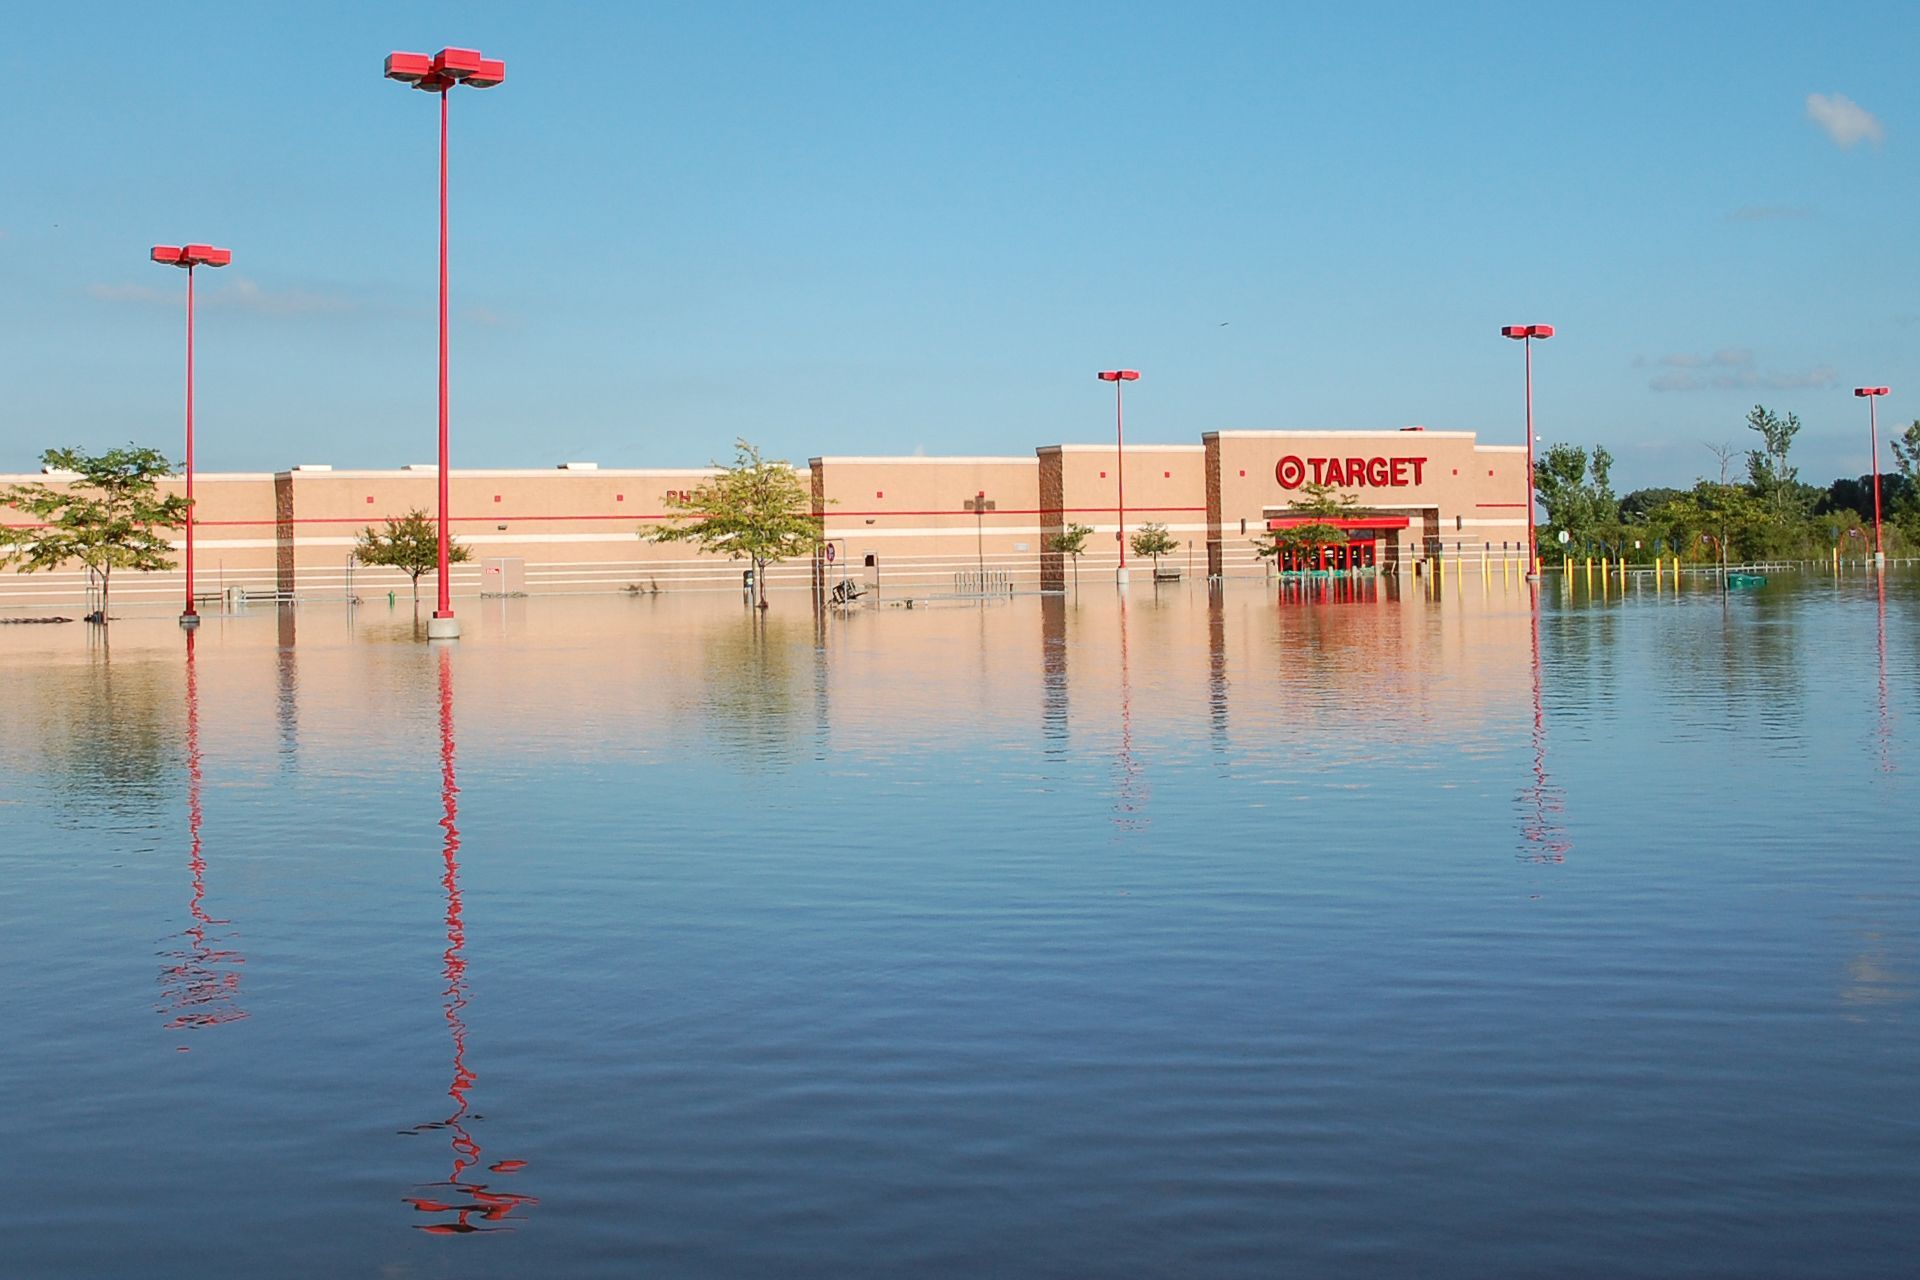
438,74
1870,394
190,256
1118,377
1525,334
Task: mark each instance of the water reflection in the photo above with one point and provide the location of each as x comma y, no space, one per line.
750,695
1543,832
199,977
1335,590
287,689
822,686
458,1200
1217,671
1885,725
1053,674
1130,788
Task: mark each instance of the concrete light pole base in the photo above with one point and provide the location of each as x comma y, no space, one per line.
188,621
1120,578
1880,559
443,628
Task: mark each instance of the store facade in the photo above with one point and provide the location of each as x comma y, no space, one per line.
962,525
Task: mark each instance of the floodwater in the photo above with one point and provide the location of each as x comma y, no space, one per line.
1351,934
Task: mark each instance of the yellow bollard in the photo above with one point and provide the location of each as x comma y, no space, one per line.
1836,560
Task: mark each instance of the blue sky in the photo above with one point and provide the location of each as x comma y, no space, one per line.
839,228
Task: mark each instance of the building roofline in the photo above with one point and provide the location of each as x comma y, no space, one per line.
1107,448
918,460
1381,433
460,473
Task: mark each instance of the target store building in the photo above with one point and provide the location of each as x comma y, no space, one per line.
1418,494
922,525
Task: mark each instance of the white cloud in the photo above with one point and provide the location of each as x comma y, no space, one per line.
1732,369
247,295
1724,358
239,294
126,293
1846,121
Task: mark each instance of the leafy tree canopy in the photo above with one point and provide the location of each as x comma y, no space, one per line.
1153,540
411,544
755,510
1071,541
1577,491
106,516
1773,480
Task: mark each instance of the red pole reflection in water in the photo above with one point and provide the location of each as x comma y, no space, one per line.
464,1200
1545,839
1886,719
1130,801
201,986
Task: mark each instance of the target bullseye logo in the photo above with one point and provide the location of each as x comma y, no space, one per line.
1291,472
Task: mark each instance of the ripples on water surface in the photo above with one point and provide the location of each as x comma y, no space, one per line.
1040,938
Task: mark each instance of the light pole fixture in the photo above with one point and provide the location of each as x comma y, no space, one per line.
190,256
1870,394
1525,334
1119,377
438,74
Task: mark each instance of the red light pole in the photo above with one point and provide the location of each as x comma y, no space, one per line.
190,256
437,75
1118,377
1870,394
1525,334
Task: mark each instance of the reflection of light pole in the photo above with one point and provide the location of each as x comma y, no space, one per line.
190,256
202,984
1117,377
1870,394
465,1198
437,75
1525,334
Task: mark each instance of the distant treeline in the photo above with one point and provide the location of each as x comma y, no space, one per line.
1756,508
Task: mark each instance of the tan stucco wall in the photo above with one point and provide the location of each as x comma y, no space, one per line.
578,530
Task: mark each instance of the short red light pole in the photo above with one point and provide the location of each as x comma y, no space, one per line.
438,74
1119,377
1525,334
1870,394
190,256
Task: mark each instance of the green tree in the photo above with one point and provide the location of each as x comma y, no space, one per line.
1577,491
107,516
1906,455
410,544
1072,541
1153,540
753,510
1774,481
1321,501
1735,521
